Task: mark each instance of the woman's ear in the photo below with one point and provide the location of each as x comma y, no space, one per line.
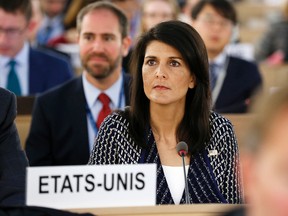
192,83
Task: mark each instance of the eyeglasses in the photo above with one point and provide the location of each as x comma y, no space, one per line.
11,32
212,21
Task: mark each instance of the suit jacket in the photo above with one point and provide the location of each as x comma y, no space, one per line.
211,178
59,133
47,70
242,80
13,161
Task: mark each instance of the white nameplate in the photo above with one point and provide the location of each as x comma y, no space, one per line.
91,186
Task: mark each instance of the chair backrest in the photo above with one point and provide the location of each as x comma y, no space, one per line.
23,123
274,76
253,19
241,124
25,105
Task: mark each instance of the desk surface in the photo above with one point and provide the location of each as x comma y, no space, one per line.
171,210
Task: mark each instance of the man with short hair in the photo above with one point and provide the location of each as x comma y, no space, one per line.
233,80
67,119
24,70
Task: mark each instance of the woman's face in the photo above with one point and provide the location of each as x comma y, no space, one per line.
166,76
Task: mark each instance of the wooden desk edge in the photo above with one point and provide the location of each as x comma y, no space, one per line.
195,209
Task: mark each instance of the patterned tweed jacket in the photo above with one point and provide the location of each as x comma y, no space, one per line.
211,178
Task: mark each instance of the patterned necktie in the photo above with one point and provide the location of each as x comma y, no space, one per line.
213,75
105,100
12,79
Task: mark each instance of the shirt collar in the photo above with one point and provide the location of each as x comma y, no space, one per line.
22,57
220,59
92,93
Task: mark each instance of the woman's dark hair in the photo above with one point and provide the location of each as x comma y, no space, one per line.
223,7
194,128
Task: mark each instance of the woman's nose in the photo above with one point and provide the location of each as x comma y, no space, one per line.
160,72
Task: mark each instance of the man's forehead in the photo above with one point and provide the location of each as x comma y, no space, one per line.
12,18
99,24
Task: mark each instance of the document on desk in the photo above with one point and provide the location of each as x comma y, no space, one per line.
91,186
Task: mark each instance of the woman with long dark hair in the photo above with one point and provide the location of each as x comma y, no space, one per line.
170,102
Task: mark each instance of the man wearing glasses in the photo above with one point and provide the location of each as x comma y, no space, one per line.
23,70
233,80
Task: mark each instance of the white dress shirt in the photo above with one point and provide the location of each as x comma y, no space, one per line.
22,69
95,106
219,61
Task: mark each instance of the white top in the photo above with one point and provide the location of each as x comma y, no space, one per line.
175,180
91,95
22,69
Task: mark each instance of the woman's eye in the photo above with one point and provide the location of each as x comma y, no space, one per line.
175,63
151,62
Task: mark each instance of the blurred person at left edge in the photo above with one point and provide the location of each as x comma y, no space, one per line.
13,161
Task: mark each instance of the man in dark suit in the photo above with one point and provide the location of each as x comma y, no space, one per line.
64,119
233,80
13,161
24,70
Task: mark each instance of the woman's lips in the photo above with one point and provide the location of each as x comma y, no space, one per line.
160,87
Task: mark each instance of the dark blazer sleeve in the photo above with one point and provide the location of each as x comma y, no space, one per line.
58,134
38,142
13,161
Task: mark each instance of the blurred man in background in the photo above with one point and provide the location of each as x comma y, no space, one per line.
24,70
52,23
233,80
